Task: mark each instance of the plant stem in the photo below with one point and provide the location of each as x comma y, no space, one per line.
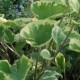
14,50
62,18
35,74
64,41
3,46
41,74
78,77
64,75
64,14
59,50
42,66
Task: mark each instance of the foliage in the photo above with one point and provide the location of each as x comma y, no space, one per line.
9,72
15,8
50,40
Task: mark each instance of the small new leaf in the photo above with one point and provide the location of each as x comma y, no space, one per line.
45,54
60,60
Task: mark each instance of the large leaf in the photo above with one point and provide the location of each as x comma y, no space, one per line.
45,54
58,36
45,9
74,44
74,5
17,71
37,33
60,61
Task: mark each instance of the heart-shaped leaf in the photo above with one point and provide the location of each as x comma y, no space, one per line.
45,9
60,61
45,54
37,33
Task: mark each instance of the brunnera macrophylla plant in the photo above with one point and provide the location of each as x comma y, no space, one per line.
46,46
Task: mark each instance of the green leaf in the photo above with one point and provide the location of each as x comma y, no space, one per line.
22,21
50,75
10,23
18,71
74,40
18,38
58,36
5,66
74,5
3,76
9,36
74,44
37,33
45,54
45,9
1,32
60,60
